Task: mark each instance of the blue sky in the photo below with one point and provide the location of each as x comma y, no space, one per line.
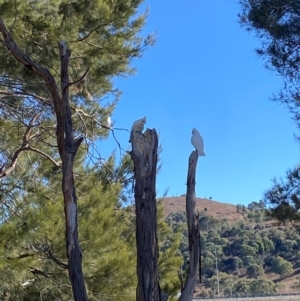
203,72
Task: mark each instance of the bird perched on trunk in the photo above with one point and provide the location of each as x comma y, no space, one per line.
108,122
137,126
197,142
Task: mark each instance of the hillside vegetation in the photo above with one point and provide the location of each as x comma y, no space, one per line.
255,255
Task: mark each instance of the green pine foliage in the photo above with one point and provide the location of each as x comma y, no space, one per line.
284,197
276,24
33,246
103,36
170,258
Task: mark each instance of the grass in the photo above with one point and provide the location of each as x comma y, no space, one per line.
216,209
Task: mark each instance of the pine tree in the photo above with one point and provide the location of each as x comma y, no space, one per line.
33,260
277,25
104,39
170,258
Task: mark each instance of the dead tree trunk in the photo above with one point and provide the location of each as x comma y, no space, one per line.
193,231
67,148
144,156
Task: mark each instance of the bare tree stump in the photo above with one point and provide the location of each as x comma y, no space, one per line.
144,156
193,231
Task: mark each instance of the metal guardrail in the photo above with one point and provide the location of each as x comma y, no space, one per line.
241,297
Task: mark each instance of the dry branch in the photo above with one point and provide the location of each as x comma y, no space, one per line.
4,171
193,231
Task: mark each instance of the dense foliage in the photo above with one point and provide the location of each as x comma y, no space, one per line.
103,38
32,248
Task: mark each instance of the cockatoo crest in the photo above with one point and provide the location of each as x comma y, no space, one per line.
138,126
197,142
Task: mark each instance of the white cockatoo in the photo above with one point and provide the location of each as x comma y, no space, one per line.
108,122
197,142
137,126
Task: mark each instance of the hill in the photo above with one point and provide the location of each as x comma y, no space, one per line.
214,208
240,248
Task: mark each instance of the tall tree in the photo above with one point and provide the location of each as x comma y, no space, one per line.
35,61
277,25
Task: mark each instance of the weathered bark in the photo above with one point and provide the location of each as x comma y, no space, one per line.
164,296
67,148
144,156
193,231
199,260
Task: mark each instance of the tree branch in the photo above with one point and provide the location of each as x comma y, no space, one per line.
42,154
37,272
24,147
24,255
17,153
75,82
57,261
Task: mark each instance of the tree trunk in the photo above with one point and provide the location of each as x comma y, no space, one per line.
144,156
68,148
193,231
